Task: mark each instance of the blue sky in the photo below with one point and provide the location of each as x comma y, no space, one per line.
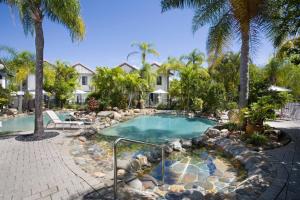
111,27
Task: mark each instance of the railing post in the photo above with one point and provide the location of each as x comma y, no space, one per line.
163,164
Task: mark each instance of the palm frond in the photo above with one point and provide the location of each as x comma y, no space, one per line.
209,13
130,54
220,33
169,4
66,13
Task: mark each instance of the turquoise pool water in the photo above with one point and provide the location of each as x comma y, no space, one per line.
159,128
25,123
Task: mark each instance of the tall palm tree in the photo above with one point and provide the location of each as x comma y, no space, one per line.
144,49
32,15
228,19
195,58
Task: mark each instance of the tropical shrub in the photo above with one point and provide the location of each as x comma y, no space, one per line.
4,97
260,111
61,81
257,139
231,126
93,104
215,98
197,104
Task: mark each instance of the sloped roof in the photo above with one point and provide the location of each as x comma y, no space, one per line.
126,64
83,67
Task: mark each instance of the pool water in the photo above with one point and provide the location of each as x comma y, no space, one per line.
159,128
199,170
25,123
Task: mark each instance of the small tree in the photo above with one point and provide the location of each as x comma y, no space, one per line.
63,84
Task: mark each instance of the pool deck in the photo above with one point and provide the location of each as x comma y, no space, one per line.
41,170
287,161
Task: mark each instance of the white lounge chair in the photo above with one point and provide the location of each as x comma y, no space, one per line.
58,124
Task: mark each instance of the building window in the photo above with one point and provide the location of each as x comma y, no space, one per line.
0,76
158,80
84,80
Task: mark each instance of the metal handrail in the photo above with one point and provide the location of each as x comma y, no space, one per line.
137,142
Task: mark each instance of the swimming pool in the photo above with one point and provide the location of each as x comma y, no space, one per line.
159,128
25,123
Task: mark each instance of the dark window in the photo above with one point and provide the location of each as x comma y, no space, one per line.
0,76
84,80
158,80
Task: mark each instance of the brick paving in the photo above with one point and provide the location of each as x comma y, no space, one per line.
287,160
41,170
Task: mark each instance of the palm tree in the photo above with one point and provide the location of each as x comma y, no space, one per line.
32,14
195,58
22,65
228,19
172,64
144,49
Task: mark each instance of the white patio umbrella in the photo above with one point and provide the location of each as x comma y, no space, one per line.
278,89
159,91
32,92
79,92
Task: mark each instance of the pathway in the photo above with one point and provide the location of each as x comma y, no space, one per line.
41,170
287,160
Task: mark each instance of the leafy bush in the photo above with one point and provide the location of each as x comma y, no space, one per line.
93,104
231,126
257,139
215,98
260,111
162,107
4,97
197,104
232,105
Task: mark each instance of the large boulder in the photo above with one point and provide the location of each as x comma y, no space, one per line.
213,132
105,114
186,143
117,116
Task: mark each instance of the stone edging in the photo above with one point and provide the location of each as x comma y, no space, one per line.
260,171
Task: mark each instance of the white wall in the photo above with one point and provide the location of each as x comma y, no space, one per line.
31,82
83,71
127,68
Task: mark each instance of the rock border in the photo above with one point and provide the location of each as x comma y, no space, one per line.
260,172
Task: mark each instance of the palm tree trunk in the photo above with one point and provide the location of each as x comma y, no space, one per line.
39,46
244,71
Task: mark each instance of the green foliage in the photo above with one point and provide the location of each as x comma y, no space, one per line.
262,110
61,81
215,97
231,126
225,70
144,49
291,50
115,87
197,104
162,107
231,105
257,139
4,97
20,65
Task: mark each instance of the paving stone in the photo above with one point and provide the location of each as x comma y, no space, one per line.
40,170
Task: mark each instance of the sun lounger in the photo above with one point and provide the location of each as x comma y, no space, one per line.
56,122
